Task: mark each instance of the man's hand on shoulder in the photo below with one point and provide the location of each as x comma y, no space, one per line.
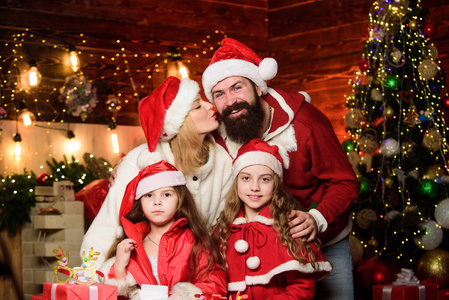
302,225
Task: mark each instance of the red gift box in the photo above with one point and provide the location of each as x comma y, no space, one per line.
56,291
405,292
443,294
93,196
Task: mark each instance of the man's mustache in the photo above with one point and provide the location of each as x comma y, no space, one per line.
228,110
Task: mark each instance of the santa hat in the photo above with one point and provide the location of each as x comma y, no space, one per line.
258,152
235,59
163,112
152,177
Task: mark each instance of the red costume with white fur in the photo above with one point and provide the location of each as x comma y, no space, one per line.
278,275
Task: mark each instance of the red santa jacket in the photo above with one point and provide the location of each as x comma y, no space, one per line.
174,263
317,171
261,267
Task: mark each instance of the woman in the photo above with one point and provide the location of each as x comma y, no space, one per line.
177,124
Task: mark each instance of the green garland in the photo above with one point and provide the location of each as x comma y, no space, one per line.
17,190
16,200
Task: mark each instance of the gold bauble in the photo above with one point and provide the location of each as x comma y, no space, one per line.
353,118
388,182
432,140
407,148
431,52
388,112
413,24
368,142
428,69
373,243
434,265
365,217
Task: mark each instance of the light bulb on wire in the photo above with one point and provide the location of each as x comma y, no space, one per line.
74,59
73,143
17,146
27,118
114,137
34,77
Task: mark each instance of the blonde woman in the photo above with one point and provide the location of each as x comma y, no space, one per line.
177,124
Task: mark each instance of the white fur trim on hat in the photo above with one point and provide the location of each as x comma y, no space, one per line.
253,262
241,246
179,108
223,69
159,180
256,158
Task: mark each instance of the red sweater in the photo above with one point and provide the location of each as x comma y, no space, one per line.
317,172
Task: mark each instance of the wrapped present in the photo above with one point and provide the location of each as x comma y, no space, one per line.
443,294
57,291
406,287
93,196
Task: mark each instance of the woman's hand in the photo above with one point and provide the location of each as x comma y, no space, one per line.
302,225
113,176
124,249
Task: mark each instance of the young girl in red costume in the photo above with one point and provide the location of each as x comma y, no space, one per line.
165,240
263,261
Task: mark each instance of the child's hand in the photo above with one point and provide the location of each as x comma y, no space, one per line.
124,249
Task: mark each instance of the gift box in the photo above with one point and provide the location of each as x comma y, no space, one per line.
443,294
56,291
405,292
93,196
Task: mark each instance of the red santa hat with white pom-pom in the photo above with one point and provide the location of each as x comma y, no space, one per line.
235,59
163,112
152,177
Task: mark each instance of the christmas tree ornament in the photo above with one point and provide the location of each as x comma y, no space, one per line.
406,96
348,145
389,147
388,182
433,266
373,243
442,213
366,186
429,29
42,177
446,102
392,82
374,271
364,65
388,111
368,142
396,58
353,118
413,24
428,69
365,217
79,95
430,52
407,148
113,104
392,214
432,140
428,188
376,95
432,237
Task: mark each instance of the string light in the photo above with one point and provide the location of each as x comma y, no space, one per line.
73,143
27,118
114,137
74,59
33,75
17,146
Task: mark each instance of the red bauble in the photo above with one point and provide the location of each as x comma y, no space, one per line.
363,65
446,103
430,29
41,178
374,271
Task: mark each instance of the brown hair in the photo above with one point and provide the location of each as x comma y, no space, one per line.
186,209
281,204
188,151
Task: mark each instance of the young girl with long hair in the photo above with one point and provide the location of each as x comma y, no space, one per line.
262,260
165,240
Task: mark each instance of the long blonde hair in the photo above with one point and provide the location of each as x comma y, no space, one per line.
188,151
281,204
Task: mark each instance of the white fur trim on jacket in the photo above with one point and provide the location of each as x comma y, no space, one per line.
263,279
127,286
186,290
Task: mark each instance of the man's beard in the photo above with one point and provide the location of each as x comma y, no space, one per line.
247,126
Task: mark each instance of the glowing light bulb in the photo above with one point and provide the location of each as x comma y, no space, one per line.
17,146
27,118
114,137
74,61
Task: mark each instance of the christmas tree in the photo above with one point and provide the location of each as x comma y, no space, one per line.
398,146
